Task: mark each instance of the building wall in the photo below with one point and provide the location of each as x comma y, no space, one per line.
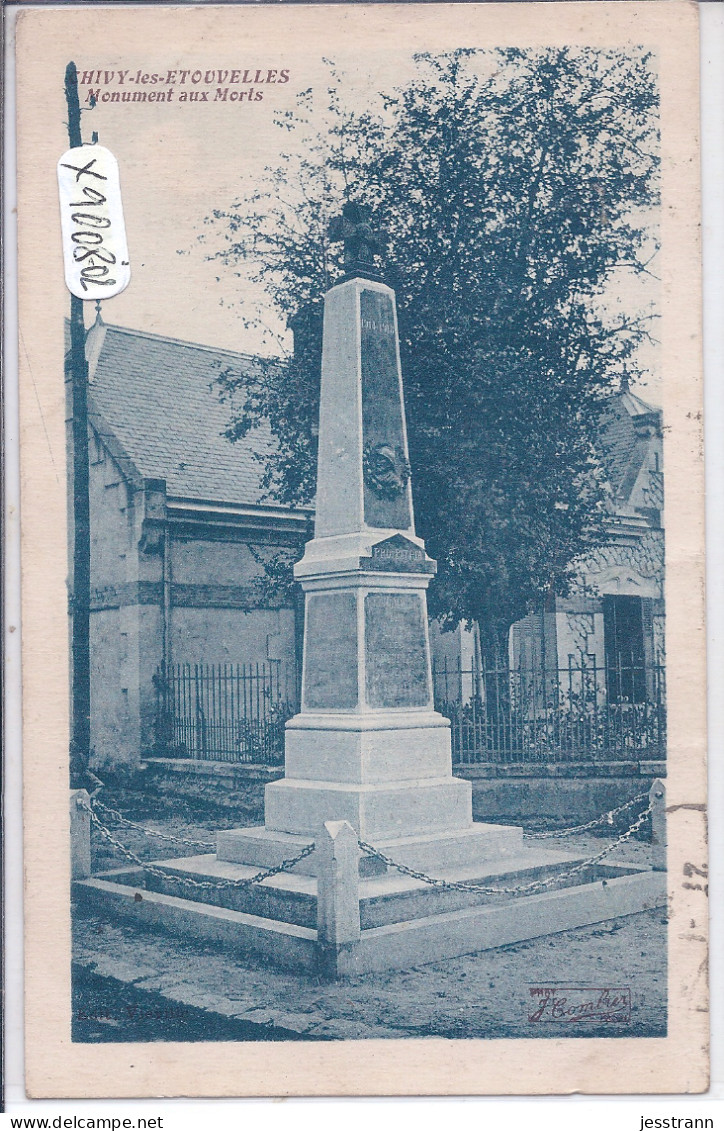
124,627
115,715
223,635
635,568
574,632
113,521
203,561
579,632
199,607
213,618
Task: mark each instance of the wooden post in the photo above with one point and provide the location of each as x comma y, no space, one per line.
80,850
657,798
338,921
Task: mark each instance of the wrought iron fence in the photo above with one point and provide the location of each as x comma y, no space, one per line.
583,712
224,712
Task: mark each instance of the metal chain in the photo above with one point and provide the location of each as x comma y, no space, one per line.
116,816
369,850
205,884
210,846
574,829
541,885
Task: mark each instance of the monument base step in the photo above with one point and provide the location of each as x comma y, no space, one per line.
383,899
379,812
395,945
475,845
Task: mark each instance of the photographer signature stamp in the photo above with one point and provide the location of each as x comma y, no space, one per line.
580,1004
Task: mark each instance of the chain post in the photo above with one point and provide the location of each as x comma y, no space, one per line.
80,846
657,800
338,919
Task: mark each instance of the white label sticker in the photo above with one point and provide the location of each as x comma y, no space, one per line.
95,251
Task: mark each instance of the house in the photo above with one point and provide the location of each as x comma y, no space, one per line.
575,720
180,532
614,619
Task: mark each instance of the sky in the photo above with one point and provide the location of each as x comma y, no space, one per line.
181,159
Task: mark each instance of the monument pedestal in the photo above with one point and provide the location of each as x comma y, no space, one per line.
479,846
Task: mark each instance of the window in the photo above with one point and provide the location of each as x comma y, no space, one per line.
623,634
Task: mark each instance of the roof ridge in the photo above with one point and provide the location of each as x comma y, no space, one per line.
646,405
112,441
190,345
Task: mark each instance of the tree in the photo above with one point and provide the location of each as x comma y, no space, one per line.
514,188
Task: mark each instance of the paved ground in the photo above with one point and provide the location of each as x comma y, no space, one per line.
109,1009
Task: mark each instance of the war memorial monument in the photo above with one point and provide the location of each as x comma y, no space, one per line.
369,857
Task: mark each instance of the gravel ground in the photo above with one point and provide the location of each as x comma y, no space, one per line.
214,996
478,995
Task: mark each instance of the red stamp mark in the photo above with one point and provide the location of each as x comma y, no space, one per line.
578,1004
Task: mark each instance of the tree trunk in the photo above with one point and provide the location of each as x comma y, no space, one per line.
495,687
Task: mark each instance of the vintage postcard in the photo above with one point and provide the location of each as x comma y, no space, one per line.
363,544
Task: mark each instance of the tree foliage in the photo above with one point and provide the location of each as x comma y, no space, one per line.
515,190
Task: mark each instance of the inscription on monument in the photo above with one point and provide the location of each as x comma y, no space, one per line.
395,654
378,327
387,473
398,555
330,657
397,549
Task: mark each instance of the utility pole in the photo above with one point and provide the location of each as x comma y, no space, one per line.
80,590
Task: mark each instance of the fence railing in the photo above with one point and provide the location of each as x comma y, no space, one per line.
224,712
583,712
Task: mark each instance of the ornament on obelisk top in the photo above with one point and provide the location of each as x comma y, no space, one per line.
362,244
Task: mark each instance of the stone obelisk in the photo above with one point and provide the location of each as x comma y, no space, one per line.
367,746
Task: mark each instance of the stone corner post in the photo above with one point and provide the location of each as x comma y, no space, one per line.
657,799
338,921
80,849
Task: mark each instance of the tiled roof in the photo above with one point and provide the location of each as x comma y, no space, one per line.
625,447
159,396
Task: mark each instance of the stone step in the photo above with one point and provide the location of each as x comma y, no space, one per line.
391,898
396,898
475,844
288,898
478,844
260,847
